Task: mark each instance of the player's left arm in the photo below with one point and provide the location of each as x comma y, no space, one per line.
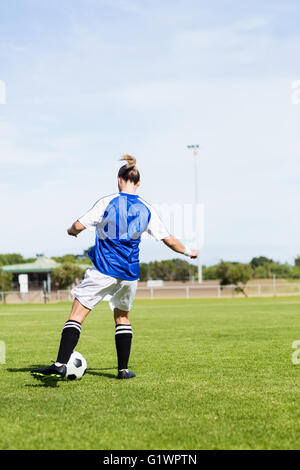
157,229
176,245
89,219
76,228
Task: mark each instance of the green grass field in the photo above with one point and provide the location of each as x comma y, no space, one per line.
211,374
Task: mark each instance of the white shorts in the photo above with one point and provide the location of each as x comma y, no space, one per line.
96,287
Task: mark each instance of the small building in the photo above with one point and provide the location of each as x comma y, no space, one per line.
38,272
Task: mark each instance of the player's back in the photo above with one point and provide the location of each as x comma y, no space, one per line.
116,251
120,219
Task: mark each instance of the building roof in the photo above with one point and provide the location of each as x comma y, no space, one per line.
41,265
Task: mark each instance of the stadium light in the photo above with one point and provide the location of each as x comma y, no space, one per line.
195,149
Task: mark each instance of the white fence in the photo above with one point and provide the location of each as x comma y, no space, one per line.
178,291
35,296
217,291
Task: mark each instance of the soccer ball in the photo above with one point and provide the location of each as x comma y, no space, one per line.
76,366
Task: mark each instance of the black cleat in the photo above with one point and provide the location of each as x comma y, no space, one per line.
125,374
52,372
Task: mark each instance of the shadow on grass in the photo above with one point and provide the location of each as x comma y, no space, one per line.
52,384
102,374
26,369
49,383
97,372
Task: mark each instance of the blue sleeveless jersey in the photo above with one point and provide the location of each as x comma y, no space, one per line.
120,220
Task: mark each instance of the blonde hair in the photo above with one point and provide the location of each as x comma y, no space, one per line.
129,172
131,161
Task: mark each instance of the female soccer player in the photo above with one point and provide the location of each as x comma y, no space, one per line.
119,219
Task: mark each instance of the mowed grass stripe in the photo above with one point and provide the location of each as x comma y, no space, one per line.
211,374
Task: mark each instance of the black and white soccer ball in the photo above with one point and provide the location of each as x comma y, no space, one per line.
76,366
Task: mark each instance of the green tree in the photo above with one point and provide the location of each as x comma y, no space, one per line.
236,274
14,258
143,272
66,274
181,270
65,259
158,270
281,270
161,270
72,259
168,270
224,273
11,258
5,282
297,261
210,273
260,261
261,272
182,273
295,272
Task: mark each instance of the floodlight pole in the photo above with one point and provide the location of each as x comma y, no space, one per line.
195,149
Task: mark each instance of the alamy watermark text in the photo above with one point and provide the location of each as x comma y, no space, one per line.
296,92
2,92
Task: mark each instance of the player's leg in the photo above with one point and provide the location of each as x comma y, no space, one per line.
120,304
69,339
87,294
121,317
123,339
71,332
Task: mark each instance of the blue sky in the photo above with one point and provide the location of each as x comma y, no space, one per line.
89,80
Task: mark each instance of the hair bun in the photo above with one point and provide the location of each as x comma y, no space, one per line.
131,161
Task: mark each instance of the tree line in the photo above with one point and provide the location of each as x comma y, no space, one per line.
259,267
227,272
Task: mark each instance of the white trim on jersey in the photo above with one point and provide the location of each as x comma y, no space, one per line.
94,215
156,227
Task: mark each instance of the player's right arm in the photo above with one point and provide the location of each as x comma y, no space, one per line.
76,228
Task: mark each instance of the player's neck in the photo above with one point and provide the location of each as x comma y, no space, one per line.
128,189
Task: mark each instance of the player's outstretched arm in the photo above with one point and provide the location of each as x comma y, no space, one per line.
177,246
75,229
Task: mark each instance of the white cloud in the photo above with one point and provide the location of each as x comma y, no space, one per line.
87,100
248,132
18,146
12,151
129,6
250,148
248,41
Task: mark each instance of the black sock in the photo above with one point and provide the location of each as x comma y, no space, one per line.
123,345
69,339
